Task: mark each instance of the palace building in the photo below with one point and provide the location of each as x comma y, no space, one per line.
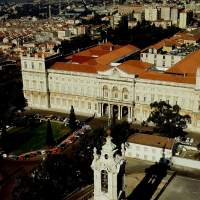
108,80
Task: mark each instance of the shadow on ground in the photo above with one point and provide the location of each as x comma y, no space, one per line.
149,184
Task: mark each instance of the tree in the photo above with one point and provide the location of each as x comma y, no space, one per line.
168,119
97,137
54,177
120,133
12,98
72,119
49,136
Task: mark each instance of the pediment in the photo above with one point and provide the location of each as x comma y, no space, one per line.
115,73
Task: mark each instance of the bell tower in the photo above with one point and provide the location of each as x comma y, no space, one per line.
109,171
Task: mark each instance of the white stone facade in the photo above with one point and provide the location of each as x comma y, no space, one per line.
150,153
165,13
183,20
164,61
105,93
151,14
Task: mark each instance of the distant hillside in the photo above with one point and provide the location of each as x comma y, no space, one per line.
16,1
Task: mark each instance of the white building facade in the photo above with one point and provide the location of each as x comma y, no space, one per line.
165,13
112,91
149,147
183,20
162,60
151,14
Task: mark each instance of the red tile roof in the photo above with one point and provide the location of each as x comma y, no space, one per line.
95,59
188,65
85,68
134,66
115,54
176,78
152,140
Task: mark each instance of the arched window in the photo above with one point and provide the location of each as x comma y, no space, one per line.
125,93
104,181
105,91
115,92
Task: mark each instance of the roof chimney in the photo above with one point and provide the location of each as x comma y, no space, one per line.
111,48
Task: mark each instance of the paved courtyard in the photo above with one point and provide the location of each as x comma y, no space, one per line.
168,187
182,188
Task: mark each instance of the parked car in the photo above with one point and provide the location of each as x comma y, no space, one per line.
14,157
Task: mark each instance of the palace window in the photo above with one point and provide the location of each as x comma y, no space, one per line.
42,100
25,65
125,93
32,65
105,91
41,85
27,83
34,85
89,105
137,98
104,181
115,92
152,97
125,96
40,66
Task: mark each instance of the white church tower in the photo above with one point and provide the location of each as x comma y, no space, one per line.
109,171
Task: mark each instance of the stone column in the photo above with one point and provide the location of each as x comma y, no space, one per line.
119,112
130,114
101,107
109,111
99,110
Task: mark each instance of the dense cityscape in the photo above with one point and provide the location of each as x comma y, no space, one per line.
100,100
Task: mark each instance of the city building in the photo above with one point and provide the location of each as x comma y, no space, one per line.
170,51
174,16
165,13
149,147
183,20
104,80
115,20
151,14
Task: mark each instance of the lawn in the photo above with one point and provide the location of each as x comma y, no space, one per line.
24,139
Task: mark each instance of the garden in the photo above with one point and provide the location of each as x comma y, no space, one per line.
33,137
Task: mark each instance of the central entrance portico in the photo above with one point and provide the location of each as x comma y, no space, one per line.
119,111
116,95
